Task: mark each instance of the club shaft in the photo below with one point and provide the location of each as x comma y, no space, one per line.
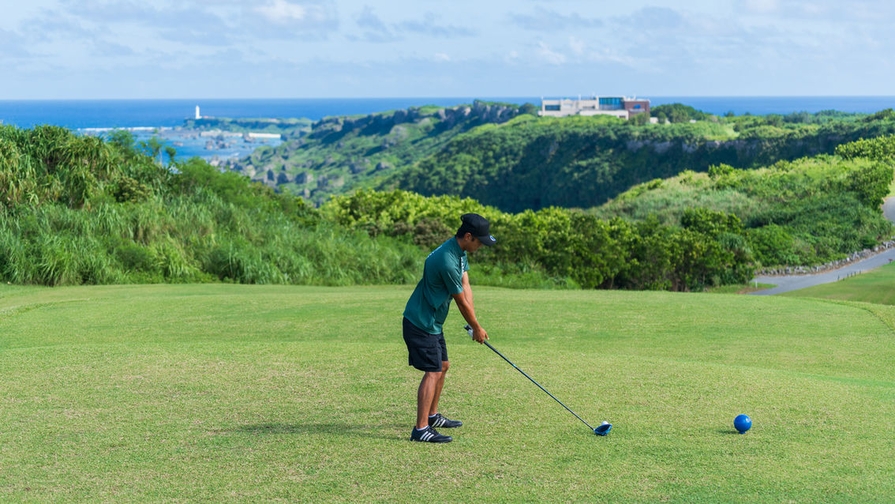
502,356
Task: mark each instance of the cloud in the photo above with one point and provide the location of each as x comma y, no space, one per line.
369,20
378,31
374,29
544,20
659,18
12,46
52,26
287,20
105,48
761,6
833,11
211,23
429,26
546,54
284,12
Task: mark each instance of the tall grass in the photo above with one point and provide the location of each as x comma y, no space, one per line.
79,210
179,241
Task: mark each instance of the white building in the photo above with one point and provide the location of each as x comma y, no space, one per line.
617,106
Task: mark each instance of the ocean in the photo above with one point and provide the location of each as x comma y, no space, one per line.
170,114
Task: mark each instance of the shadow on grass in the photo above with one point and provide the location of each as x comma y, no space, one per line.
328,429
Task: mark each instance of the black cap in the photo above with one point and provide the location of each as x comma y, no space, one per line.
478,226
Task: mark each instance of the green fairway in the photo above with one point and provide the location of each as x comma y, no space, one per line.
876,286
219,393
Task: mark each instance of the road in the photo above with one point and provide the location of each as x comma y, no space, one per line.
794,282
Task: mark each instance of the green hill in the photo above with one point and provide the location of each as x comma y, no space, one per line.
341,154
583,162
85,210
503,155
805,212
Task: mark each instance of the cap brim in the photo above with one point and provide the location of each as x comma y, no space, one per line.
487,240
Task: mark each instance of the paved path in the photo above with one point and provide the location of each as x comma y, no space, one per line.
794,282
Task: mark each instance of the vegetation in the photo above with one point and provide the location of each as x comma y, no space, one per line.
569,247
341,154
809,211
583,162
677,113
286,127
877,287
503,155
213,393
79,210
82,210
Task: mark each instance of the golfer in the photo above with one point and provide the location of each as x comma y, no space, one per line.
444,277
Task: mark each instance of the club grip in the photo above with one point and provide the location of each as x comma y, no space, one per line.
469,330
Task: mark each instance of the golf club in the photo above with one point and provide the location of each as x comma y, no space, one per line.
602,430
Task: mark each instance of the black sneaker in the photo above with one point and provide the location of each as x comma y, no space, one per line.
440,420
429,435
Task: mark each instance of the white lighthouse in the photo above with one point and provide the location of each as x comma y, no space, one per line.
197,113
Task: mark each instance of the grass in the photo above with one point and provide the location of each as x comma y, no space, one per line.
876,286
228,393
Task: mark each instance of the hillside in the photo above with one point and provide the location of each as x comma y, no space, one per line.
583,162
505,156
340,154
283,126
86,210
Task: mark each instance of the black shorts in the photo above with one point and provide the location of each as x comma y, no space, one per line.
425,351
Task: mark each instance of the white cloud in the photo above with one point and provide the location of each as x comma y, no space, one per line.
431,26
545,20
548,55
281,11
374,29
368,19
408,47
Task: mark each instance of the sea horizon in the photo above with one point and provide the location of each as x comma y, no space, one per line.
171,113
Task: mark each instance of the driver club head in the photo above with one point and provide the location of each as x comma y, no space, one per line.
603,429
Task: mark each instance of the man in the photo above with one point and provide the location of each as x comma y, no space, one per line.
445,277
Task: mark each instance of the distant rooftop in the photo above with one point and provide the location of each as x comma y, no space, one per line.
618,106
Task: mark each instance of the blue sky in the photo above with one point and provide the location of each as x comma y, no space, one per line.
68,49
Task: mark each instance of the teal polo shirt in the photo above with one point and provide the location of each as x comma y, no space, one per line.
428,306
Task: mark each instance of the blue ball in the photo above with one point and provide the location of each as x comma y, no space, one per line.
742,423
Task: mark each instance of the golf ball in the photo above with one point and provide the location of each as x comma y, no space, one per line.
742,423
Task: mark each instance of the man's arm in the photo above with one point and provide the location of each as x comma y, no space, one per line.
464,303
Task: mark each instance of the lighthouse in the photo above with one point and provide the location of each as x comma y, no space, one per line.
197,113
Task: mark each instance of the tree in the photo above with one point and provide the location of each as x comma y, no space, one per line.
171,152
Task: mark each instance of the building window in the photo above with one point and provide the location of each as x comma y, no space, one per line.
610,103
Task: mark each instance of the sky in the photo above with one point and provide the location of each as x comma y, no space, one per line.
142,49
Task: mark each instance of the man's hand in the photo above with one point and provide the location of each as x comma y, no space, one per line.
479,335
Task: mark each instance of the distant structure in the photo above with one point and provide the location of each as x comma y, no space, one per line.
197,113
617,106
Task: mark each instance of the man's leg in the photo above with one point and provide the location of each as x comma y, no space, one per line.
433,409
427,396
